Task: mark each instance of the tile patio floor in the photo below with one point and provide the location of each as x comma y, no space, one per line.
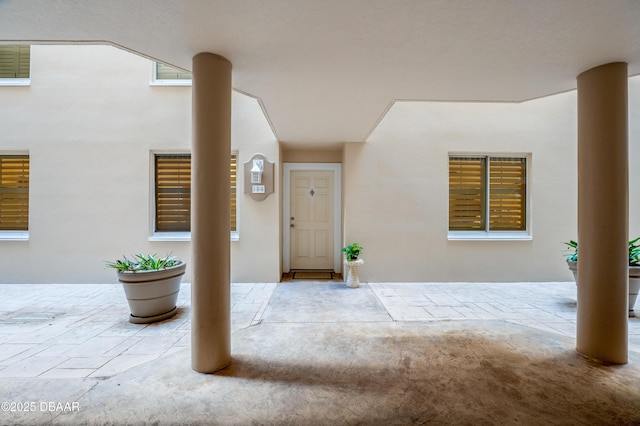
82,331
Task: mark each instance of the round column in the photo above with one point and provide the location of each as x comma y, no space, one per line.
210,214
603,188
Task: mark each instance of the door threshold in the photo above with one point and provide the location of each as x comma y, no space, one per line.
311,275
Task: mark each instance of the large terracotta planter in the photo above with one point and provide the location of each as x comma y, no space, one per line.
634,283
152,295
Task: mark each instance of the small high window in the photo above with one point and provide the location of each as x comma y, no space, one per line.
15,64
487,194
167,75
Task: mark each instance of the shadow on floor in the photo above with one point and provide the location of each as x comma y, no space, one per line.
457,372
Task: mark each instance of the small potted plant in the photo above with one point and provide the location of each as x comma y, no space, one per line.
572,258
352,252
634,268
151,285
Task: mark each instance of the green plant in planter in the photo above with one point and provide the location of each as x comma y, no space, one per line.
634,251
352,251
572,246
143,262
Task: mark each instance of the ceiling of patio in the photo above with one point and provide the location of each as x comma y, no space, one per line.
326,71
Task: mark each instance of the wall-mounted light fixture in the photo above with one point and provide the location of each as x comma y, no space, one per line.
258,177
256,170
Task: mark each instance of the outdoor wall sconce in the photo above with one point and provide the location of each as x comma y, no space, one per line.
256,170
258,177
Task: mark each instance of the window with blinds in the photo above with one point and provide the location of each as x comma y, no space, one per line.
167,72
173,193
15,61
487,193
234,227
14,192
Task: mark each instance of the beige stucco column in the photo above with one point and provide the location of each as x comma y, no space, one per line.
603,188
210,214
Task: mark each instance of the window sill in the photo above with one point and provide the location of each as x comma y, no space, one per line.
489,236
170,236
178,83
14,236
15,82
181,236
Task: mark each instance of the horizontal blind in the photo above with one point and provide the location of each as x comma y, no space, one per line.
467,193
507,194
14,192
173,193
15,61
167,72
234,226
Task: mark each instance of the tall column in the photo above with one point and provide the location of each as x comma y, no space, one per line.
603,210
210,214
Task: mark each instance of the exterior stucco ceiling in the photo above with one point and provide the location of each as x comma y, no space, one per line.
326,71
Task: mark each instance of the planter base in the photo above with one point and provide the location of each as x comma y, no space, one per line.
352,278
146,320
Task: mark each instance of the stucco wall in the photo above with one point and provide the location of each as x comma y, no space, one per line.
255,257
90,120
90,134
396,190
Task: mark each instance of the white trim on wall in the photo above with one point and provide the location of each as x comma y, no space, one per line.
286,210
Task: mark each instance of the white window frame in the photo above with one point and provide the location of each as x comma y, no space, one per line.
7,235
488,235
155,81
178,236
18,81
15,82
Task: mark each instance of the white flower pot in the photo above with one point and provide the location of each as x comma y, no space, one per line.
634,287
352,277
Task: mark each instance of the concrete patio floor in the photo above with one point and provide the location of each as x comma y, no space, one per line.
313,353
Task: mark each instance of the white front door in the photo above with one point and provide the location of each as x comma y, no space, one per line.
312,219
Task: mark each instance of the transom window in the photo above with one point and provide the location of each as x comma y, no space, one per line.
15,64
14,193
173,193
487,194
164,74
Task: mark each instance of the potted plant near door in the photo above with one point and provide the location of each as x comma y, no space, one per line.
352,251
151,285
634,268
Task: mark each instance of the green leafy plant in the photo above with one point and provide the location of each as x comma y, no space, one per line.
352,251
572,247
634,251
143,262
